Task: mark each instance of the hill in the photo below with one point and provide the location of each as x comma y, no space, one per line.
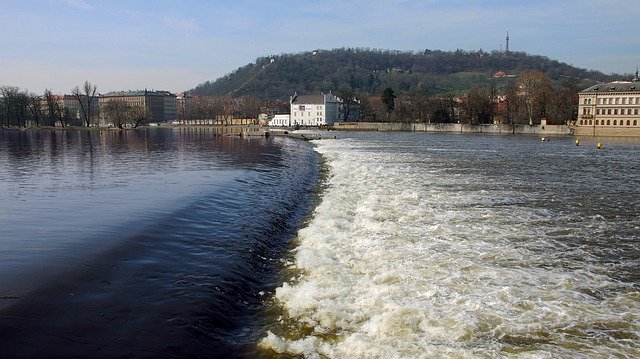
369,71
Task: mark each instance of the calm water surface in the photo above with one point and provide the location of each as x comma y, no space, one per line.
151,243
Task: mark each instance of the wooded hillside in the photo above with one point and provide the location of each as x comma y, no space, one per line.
367,71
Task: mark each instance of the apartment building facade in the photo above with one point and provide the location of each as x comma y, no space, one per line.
160,105
609,109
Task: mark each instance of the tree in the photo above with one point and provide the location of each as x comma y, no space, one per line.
85,98
389,101
367,109
422,104
54,111
34,107
15,103
118,112
349,101
478,106
139,115
563,107
534,88
405,109
249,107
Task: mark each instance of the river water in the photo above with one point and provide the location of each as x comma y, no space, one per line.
147,243
188,243
450,245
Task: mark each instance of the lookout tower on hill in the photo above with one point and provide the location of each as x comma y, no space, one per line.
507,45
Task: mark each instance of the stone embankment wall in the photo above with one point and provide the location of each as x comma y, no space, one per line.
599,131
546,130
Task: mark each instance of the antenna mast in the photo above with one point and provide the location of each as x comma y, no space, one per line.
507,49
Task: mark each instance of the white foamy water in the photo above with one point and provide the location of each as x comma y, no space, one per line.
422,249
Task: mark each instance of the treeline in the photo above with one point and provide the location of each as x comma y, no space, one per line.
245,107
20,108
527,99
370,71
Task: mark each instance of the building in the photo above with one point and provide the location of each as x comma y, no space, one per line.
183,102
609,109
314,110
160,105
170,106
280,120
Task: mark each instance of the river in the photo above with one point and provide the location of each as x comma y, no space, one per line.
450,245
147,243
189,243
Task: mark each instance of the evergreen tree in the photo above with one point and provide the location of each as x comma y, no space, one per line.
389,101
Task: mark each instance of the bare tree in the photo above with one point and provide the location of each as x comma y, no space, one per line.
54,110
478,106
249,107
118,112
15,106
139,115
349,101
85,98
422,105
534,87
34,107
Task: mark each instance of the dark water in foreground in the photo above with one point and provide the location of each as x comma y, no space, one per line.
153,243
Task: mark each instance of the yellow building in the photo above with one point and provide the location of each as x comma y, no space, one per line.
609,109
160,105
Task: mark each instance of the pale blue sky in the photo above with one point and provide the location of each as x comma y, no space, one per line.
175,45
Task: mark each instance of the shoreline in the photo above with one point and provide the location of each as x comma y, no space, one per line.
266,131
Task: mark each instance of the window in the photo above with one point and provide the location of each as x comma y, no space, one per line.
624,100
635,122
615,111
608,122
581,122
608,111
597,122
598,111
628,123
635,111
617,100
615,122
600,101
590,123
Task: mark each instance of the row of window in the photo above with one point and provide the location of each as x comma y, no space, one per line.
614,101
608,122
616,111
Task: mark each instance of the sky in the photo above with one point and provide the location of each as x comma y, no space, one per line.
175,45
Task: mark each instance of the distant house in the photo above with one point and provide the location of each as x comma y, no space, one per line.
280,120
314,110
610,109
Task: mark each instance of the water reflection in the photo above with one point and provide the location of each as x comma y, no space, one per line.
63,192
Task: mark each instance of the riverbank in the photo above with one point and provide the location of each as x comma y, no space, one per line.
545,130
